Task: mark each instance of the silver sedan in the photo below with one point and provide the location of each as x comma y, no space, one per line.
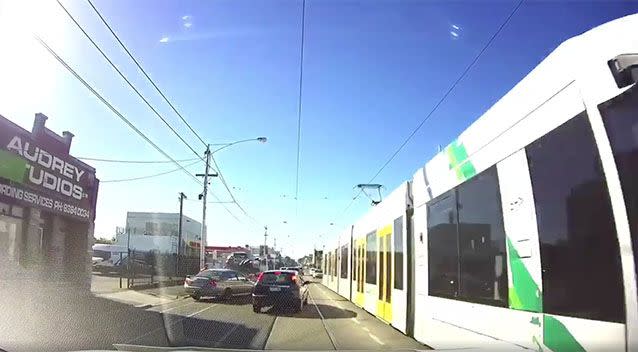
217,283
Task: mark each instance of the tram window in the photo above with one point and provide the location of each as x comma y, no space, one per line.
355,263
482,240
443,246
579,250
344,262
334,264
398,253
371,258
620,116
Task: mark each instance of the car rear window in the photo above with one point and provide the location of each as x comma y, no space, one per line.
277,278
212,274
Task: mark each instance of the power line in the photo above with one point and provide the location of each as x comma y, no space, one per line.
122,117
232,196
126,79
147,176
299,103
144,72
141,96
111,107
139,66
441,100
134,161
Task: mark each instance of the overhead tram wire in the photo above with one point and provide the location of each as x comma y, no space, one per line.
122,117
438,104
299,103
139,66
111,107
144,71
126,80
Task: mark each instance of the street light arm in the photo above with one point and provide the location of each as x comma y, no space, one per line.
259,139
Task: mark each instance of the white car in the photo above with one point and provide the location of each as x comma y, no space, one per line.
317,274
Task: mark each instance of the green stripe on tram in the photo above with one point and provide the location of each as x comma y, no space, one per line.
458,161
557,338
525,294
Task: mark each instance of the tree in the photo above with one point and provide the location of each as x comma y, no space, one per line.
103,240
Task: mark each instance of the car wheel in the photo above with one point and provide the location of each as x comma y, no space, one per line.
256,309
298,306
196,297
227,294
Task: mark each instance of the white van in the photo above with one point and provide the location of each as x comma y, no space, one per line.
108,257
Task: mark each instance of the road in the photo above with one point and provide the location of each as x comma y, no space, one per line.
66,321
328,322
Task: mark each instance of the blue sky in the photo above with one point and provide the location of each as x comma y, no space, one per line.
372,70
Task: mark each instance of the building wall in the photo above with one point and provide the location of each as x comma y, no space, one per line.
45,231
162,224
147,243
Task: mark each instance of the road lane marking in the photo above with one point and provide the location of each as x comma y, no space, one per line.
166,327
179,306
201,311
230,331
323,322
269,333
376,339
336,303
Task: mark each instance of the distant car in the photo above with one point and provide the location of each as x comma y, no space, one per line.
297,269
280,288
317,274
217,283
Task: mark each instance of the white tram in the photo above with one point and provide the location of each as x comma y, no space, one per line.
523,232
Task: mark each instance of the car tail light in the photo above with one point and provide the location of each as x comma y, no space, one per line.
260,276
212,283
294,278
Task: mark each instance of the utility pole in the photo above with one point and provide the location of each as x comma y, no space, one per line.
266,246
182,196
202,252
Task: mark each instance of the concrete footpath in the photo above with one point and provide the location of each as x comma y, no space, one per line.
42,318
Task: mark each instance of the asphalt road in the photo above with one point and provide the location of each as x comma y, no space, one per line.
328,322
66,321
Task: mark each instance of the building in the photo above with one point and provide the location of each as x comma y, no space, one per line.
317,258
142,225
47,205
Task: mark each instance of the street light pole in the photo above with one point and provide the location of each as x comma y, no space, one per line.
182,196
202,249
202,197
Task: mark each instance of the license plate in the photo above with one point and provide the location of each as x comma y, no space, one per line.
274,289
